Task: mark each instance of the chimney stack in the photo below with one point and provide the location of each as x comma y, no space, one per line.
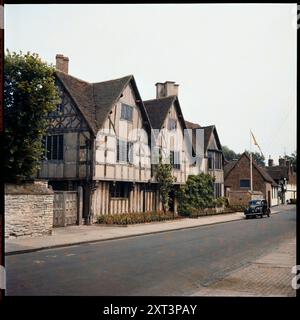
281,162
169,88
270,162
288,163
62,63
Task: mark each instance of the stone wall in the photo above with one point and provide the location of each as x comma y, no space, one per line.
28,209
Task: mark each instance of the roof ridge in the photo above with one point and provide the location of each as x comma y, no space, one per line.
112,80
69,75
162,98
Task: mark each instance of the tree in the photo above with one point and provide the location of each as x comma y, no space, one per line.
197,193
165,180
29,94
293,159
258,158
229,154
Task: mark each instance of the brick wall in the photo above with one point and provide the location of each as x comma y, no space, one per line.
242,197
28,210
242,171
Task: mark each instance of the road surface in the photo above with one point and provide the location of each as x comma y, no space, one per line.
171,263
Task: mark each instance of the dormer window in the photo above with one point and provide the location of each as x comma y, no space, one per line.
126,112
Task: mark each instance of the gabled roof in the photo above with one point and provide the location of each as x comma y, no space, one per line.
208,131
278,172
228,166
158,109
95,100
231,165
192,125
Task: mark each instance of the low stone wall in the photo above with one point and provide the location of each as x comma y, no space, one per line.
28,209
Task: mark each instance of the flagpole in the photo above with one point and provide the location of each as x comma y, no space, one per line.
251,181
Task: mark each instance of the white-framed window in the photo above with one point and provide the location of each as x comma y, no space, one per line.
126,112
124,151
172,124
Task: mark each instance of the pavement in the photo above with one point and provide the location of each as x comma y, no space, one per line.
268,276
176,263
74,235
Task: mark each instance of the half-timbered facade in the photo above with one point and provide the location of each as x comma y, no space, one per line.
100,137
212,161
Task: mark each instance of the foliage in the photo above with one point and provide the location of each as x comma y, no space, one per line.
136,217
165,181
293,159
221,202
258,158
29,94
197,193
229,154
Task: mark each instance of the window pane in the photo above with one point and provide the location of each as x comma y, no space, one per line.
49,147
60,147
126,112
245,183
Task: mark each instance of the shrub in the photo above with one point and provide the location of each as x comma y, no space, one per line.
196,193
135,217
221,202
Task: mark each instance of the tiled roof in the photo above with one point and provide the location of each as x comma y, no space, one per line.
278,172
157,110
94,100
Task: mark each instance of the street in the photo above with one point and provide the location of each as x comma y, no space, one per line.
170,263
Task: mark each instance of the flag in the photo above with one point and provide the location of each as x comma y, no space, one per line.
255,143
254,140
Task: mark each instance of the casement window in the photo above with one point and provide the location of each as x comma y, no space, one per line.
218,160
245,183
124,151
119,190
210,155
175,159
172,124
214,160
217,190
54,147
126,112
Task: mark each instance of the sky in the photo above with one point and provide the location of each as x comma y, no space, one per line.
235,64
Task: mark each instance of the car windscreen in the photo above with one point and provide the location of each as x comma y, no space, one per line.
254,202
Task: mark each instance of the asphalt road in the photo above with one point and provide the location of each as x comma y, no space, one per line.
171,263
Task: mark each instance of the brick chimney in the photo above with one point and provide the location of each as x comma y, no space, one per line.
281,162
169,88
270,162
62,63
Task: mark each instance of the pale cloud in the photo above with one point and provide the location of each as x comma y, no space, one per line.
236,64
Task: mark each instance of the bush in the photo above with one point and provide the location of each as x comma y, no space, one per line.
197,193
136,217
221,202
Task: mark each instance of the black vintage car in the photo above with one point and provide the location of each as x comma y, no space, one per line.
257,208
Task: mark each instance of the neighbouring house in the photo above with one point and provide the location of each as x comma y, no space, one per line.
285,176
237,182
213,158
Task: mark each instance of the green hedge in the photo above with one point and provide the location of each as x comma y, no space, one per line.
133,218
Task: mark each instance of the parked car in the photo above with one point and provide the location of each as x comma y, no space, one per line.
257,208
